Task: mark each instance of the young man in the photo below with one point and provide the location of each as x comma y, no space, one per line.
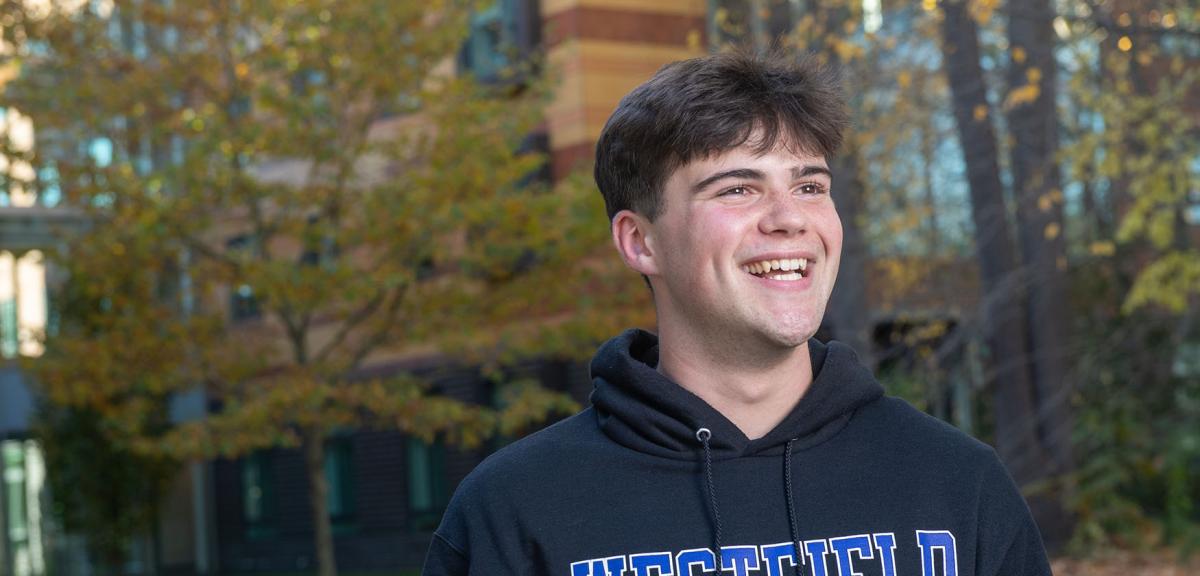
733,442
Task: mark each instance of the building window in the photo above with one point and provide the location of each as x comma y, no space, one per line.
427,494
339,479
23,304
243,305
320,249
22,483
484,53
501,33
258,498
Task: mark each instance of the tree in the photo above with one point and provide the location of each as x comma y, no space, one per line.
1136,143
1037,188
1004,324
317,166
1073,308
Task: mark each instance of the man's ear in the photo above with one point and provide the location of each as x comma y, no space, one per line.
633,236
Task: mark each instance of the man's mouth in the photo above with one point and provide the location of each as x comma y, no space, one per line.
786,270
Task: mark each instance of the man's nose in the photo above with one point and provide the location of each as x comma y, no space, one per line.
783,215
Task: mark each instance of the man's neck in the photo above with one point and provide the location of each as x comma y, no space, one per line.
755,396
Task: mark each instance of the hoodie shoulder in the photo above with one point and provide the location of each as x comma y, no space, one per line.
489,516
894,424
538,453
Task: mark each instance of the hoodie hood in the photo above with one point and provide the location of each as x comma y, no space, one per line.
641,409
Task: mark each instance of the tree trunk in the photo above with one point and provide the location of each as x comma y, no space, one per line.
848,313
314,459
1037,189
1005,363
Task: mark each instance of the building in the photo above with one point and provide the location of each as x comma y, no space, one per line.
387,492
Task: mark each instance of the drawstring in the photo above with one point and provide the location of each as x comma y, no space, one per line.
791,503
703,435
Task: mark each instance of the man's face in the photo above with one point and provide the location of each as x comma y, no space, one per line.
746,248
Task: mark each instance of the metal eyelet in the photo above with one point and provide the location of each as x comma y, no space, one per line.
703,435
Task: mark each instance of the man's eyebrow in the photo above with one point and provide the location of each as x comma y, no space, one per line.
739,173
809,170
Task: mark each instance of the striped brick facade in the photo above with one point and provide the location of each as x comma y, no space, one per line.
602,49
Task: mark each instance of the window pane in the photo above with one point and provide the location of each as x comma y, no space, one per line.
252,490
420,489
339,498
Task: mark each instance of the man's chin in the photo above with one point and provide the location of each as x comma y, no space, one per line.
789,340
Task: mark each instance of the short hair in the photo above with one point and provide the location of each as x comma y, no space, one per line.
695,108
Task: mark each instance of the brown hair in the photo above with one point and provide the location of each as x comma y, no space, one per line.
696,108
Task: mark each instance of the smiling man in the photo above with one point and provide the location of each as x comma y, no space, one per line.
733,442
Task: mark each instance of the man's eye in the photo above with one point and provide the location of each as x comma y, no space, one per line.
812,189
735,191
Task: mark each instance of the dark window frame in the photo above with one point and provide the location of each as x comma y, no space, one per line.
255,472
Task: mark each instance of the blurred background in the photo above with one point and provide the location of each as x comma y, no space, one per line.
276,274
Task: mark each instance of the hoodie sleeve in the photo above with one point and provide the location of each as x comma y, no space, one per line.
1009,540
444,559
479,534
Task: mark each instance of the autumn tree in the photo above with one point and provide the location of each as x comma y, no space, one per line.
958,162
1132,148
1004,324
283,193
1037,189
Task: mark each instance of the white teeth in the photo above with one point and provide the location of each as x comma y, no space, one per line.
790,277
785,265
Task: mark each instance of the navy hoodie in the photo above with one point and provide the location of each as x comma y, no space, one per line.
652,481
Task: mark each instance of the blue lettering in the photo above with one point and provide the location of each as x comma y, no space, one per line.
739,558
703,557
612,566
816,551
886,544
843,547
937,540
773,556
641,564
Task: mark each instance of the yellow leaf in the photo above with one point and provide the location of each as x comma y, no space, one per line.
1018,54
1052,230
1033,75
1021,96
1125,44
904,79
982,10
1104,248
1045,203
980,112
